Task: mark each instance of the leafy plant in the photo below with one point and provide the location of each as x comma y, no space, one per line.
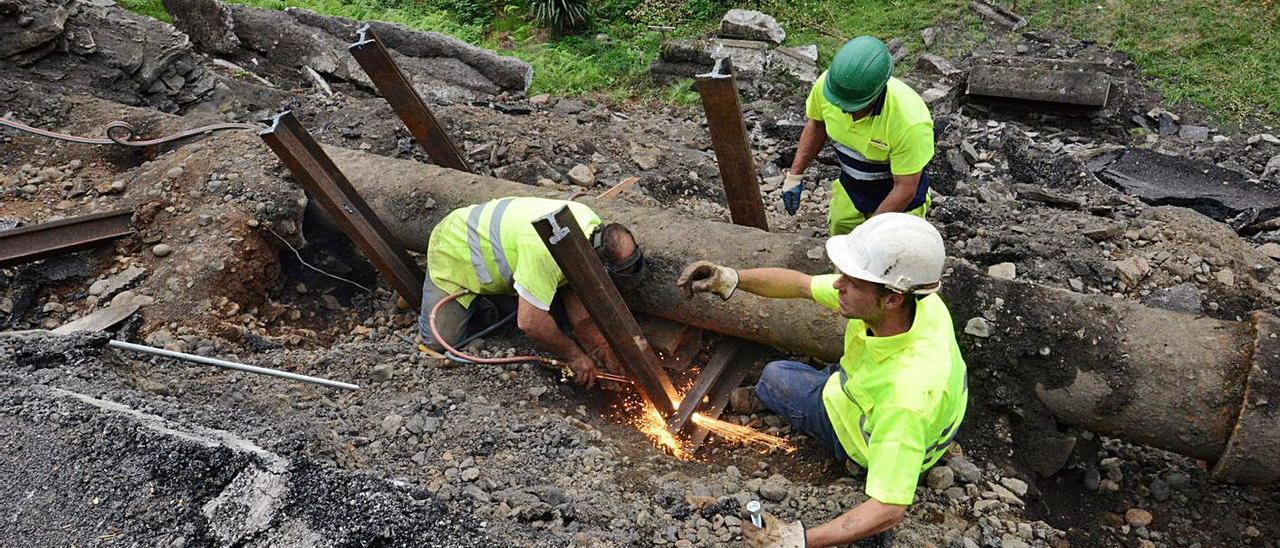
562,16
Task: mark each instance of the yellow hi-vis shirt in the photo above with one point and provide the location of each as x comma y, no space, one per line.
897,401
895,139
493,249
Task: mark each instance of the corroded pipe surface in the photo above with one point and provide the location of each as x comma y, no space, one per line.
1198,386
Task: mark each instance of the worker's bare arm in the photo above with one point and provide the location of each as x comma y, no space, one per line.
812,138
541,327
904,190
778,283
864,520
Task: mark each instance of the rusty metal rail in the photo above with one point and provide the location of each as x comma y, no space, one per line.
573,253
396,88
719,93
709,395
326,184
35,242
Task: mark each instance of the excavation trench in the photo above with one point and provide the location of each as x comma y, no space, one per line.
1193,385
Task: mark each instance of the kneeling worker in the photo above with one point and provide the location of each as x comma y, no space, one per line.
896,399
492,251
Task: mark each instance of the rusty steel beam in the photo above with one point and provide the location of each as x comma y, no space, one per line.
35,242
719,93
326,184
396,88
575,256
726,369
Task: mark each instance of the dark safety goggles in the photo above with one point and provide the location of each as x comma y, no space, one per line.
626,270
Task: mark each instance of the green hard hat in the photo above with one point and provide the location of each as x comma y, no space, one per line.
858,74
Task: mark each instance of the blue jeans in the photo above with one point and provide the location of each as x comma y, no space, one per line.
794,391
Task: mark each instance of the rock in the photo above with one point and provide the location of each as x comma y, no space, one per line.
1015,485
965,470
569,107
1168,125
775,488
392,423
929,36
108,287
382,372
415,424
1132,270
173,173
1009,541
1137,517
800,62
1271,250
582,175
538,391
751,25
540,99
938,65
978,327
1159,490
983,506
897,50
1104,233
161,250
940,478
1076,284
1003,271
1194,133
645,157
1272,170
1184,297
430,425
470,474
1225,277
743,400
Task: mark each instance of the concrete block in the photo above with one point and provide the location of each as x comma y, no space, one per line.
1042,83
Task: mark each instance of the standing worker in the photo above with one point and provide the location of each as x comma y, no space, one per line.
895,400
883,135
492,252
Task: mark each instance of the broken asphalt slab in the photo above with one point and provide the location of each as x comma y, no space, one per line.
1161,179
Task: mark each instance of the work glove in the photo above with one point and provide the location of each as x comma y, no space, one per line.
775,533
792,186
708,277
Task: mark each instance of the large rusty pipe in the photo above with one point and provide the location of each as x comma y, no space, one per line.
1198,386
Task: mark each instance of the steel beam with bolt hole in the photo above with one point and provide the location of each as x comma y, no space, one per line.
35,242
577,259
719,92
326,184
396,88
724,372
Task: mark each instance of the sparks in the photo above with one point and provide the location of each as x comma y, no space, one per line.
735,433
651,423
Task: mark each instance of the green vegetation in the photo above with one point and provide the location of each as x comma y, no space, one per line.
1222,56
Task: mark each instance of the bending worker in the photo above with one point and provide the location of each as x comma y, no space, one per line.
896,398
492,251
883,135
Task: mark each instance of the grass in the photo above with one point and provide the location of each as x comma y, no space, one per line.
1222,56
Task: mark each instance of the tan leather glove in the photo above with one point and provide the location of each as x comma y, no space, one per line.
775,533
708,277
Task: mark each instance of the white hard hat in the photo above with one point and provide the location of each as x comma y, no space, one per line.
901,251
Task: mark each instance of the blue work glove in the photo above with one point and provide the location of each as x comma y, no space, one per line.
792,186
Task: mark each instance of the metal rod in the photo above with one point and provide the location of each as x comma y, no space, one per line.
35,242
230,365
326,184
396,88
719,93
563,236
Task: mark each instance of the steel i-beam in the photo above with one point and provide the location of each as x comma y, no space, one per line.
719,92
326,184
396,88
35,242
726,369
577,259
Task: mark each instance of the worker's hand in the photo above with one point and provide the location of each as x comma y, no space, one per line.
775,533
708,277
584,369
792,186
